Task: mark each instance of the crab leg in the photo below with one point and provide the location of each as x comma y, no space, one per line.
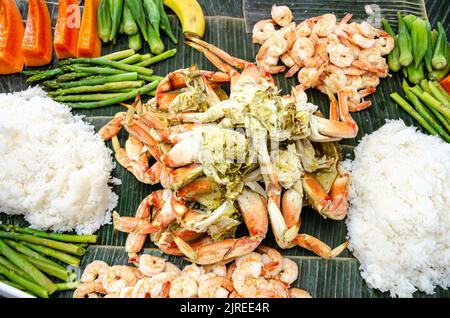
197,188
318,247
254,212
113,127
177,178
333,206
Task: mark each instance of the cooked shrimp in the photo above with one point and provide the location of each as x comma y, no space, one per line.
117,277
302,49
287,59
87,289
340,55
214,287
367,30
248,258
309,76
234,294
385,43
183,286
126,292
362,41
263,30
151,265
298,293
304,29
325,25
217,269
355,82
370,80
277,289
282,15
335,82
230,270
112,295
194,271
157,286
93,271
289,271
272,261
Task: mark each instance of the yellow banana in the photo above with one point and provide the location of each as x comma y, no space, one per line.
190,14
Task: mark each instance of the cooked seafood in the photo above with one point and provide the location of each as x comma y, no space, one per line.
324,51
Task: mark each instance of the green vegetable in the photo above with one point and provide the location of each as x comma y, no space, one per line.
13,268
52,270
153,15
21,248
442,90
98,80
115,8
415,75
431,102
425,86
98,70
157,58
410,110
63,257
85,97
438,95
434,38
429,51
153,39
105,62
439,60
129,25
67,285
409,20
70,77
135,42
393,57
104,23
165,24
137,11
419,40
66,247
119,55
123,97
424,112
10,283
21,262
404,42
96,88
26,284
44,75
150,78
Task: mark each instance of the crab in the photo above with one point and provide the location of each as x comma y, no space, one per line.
256,156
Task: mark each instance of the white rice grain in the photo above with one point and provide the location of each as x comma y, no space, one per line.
54,169
399,218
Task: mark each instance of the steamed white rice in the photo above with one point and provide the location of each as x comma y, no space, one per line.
54,169
399,217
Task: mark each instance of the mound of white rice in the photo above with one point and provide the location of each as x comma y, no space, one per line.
54,169
399,218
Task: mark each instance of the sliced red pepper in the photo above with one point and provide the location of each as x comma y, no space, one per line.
37,40
67,29
446,83
89,44
11,34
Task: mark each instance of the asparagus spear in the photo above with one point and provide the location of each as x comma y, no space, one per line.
21,262
425,86
52,270
13,268
26,284
105,62
135,58
21,248
10,283
85,97
96,88
404,104
71,76
97,70
67,285
119,55
66,247
423,111
63,257
131,76
44,75
438,95
432,102
150,78
157,58
123,97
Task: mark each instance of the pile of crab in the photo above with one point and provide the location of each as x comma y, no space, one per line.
326,53
253,157
262,274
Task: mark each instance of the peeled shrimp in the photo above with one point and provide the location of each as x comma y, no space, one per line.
385,44
302,49
216,269
304,29
194,271
298,293
93,271
263,30
289,271
117,277
309,77
126,292
183,286
272,261
340,55
151,265
248,258
282,15
214,287
87,289
112,295
325,25
154,287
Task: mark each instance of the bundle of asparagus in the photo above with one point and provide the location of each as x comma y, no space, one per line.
108,80
25,259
